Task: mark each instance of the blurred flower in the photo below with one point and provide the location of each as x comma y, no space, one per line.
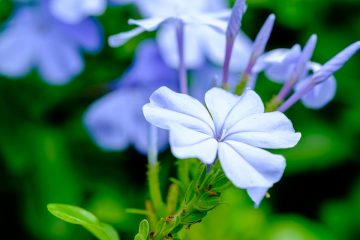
236,129
34,38
115,121
203,20
74,11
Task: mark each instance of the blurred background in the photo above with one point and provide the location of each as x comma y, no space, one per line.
47,155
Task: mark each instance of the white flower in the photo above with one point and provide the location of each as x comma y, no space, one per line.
231,127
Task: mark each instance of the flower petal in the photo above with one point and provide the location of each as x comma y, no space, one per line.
86,33
248,104
167,107
108,119
257,194
211,21
149,24
194,56
266,130
59,61
121,38
278,64
219,103
216,47
18,48
320,95
248,166
187,143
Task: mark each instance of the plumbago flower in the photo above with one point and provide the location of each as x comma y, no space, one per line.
74,11
196,21
280,65
115,121
231,127
308,89
33,38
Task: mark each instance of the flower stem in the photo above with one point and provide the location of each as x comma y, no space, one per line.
154,188
202,195
226,68
182,68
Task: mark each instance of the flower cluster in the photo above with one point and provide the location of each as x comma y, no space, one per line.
232,128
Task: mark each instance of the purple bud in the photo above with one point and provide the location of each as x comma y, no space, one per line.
231,33
334,64
326,71
262,38
300,67
305,57
235,19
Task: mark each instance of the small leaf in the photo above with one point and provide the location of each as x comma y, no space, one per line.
144,228
102,231
79,216
72,214
139,237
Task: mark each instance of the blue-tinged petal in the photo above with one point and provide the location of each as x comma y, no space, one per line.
121,38
86,33
215,23
257,194
215,49
321,94
194,56
278,64
188,143
109,122
219,103
74,11
18,48
149,24
248,104
248,166
58,62
265,130
168,107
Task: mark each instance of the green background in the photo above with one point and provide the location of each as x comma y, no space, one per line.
47,156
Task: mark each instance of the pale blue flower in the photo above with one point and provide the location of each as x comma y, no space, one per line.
232,128
33,38
203,20
115,121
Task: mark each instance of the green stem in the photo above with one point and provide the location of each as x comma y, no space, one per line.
154,188
202,195
273,104
183,172
240,87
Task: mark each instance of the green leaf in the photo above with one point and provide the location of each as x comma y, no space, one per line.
102,231
144,228
72,214
139,237
79,216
